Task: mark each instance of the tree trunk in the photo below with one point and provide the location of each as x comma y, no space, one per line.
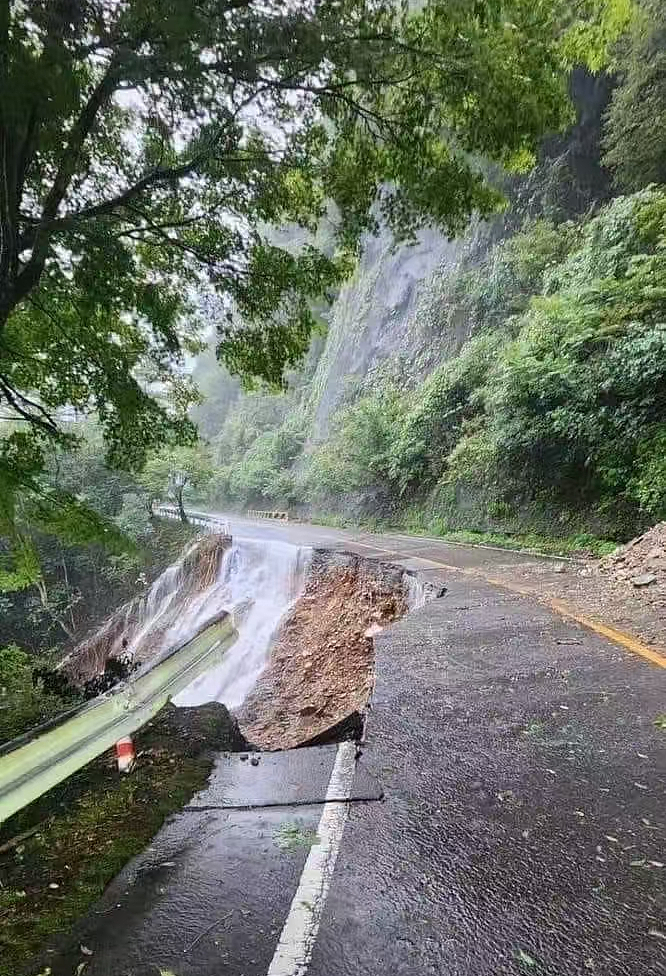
181,509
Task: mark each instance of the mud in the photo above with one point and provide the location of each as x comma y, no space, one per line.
321,671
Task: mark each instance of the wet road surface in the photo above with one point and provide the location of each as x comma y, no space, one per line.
520,830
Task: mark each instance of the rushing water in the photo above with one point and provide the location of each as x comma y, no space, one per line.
257,582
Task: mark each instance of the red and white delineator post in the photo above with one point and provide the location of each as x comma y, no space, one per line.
125,754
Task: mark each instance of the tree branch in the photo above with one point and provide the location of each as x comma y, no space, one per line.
41,418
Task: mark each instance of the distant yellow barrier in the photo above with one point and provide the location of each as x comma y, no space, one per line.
282,516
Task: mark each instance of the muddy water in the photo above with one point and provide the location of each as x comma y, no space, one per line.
257,583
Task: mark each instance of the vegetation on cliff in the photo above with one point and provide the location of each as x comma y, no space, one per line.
528,393
148,149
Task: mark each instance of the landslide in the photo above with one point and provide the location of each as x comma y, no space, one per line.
320,673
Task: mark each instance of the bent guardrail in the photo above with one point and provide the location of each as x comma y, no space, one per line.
30,768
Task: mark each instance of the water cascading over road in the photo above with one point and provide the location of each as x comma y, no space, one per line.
255,581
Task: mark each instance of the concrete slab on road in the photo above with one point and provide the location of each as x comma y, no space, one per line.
209,897
295,778
212,893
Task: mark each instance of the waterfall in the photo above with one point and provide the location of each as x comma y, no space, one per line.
257,583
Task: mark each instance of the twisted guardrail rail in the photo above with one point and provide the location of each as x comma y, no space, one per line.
37,761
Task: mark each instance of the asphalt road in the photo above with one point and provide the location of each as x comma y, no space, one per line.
520,830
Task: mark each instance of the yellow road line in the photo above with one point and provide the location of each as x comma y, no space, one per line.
559,606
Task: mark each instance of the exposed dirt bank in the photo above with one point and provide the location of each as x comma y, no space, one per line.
321,667
138,629
58,854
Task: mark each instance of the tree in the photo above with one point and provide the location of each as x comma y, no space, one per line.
168,473
146,145
635,136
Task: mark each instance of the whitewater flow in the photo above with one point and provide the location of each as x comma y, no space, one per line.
257,583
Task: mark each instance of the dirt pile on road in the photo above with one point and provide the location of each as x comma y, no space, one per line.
321,668
642,562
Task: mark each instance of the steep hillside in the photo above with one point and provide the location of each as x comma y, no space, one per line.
508,381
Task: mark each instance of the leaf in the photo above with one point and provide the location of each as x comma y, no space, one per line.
524,958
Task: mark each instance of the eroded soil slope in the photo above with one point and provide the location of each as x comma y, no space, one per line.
321,667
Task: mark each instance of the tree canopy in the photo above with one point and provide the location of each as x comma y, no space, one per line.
170,472
148,146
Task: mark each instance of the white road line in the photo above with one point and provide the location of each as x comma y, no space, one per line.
294,949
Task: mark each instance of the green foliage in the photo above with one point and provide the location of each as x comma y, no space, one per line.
635,134
648,481
577,398
556,406
440,408
148,147
590,39
78,549
171,472
359,452
23,702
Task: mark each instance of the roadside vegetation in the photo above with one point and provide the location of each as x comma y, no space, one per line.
58,855
215,215
189,182
81,581
546,416
550,419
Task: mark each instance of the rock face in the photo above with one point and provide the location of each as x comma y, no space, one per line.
320,675
373,319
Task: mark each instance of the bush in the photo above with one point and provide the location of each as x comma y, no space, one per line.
439,410
360,452
24,700
635,136
581,388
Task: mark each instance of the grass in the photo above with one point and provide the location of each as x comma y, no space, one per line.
580,544
87,829
290,836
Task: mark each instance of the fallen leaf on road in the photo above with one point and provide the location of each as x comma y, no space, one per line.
525,958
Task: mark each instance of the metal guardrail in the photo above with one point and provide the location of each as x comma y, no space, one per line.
253,513
29,769
212,522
